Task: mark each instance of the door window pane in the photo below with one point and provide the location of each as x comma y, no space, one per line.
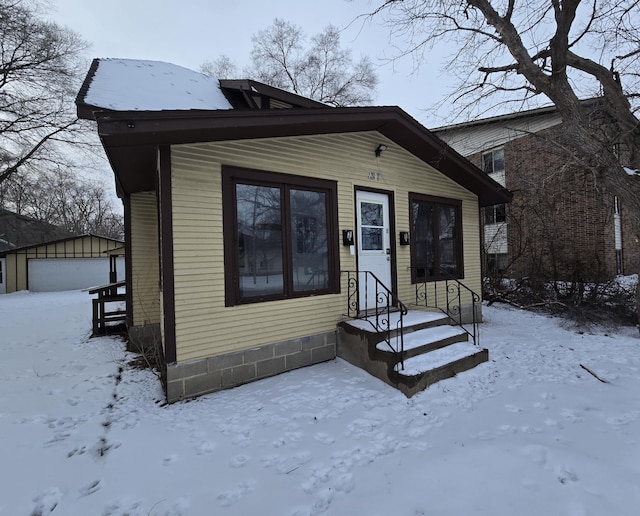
309,240
371,214
371,239
259,240
371,226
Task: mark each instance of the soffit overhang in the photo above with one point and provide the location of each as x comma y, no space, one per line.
131,139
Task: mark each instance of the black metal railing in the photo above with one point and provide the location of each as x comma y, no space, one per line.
371,300
450,296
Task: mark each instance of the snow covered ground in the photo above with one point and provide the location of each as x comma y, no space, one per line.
528,433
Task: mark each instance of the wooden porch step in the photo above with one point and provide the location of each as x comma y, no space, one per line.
425,340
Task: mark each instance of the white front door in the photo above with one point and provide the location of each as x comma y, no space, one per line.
3,276
374,247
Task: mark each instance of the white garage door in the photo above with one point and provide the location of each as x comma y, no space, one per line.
54,274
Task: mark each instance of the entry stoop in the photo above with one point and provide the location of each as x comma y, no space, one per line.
434,349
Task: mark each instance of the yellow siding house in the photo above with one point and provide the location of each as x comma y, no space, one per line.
253,232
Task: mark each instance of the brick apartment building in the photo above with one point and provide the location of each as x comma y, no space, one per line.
562,224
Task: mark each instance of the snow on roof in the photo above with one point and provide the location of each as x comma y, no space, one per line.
138,85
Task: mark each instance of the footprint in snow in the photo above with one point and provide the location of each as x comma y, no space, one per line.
239,460
228,498
90,488
46,502
77,451
323,501
552,423
273,461
169,459
294,436
123,506
302,457
205,447
507,429
570,415
623,419
565,474
324,438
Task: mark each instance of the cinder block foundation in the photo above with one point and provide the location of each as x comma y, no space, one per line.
193,378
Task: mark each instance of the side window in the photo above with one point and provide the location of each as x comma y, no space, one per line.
493,161
436,234
495,214
280,236
497,262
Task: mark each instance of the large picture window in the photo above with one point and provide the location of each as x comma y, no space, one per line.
280,234
436,238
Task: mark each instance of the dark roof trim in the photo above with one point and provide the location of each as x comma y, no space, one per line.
60,241
252,87
131,135
85,111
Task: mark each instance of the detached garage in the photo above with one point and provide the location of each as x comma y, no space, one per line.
69,264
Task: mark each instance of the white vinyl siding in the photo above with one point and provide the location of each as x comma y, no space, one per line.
471,139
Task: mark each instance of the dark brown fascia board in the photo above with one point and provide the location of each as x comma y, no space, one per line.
62,240
85,111
124,132
270,91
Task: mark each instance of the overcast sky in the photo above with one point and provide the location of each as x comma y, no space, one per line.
189,32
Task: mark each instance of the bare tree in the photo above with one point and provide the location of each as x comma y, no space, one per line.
508,51
222,67
529,51
322,69
40,65
79,206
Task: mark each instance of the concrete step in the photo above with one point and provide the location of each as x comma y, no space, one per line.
412,321
434,350
421,371
425,340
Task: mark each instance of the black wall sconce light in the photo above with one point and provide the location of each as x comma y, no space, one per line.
380,149
347,237
404,238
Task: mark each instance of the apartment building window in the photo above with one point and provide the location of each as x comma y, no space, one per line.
493,161
617,234
497,262
495,214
